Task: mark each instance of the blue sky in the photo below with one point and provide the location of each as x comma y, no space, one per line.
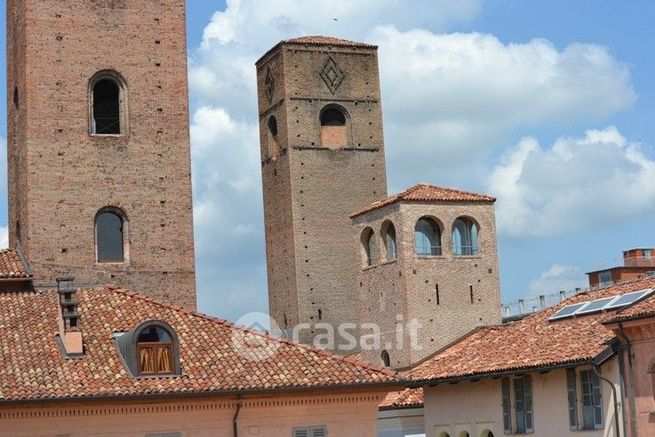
549,105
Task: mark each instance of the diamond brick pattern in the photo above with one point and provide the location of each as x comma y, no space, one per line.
32,368
532,342
332,75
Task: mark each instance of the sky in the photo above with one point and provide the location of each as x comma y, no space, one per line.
546,104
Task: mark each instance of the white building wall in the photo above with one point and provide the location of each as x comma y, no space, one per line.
476,408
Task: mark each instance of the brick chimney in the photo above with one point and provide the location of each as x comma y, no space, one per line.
70,330
639,258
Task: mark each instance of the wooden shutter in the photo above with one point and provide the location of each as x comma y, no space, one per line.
529,425
597,396
572,393
507,413
301,432
319,431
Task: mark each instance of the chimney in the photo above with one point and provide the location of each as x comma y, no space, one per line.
70,331
562,295
542,302
639,258
521,306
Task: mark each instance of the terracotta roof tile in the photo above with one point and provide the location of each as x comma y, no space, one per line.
408,398
326,40
12,266
32,368
531,343
641,310
426,193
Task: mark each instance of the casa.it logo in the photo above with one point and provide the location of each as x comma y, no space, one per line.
253,343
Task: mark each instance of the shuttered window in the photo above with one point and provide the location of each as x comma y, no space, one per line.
507,412
572,392
310,431
523,404
592,400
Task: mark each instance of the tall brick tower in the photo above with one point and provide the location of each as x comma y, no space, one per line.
322,157
98,143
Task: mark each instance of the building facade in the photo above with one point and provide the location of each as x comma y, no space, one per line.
98,144
322,154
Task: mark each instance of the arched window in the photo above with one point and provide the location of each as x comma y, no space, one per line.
110,239
464,434
334,127
386,359
155,351
368,247
465,237
444,434
107,99
487,433
273,142
428,237
389,236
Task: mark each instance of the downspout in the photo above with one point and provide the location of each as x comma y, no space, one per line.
235,431
633,405
617,429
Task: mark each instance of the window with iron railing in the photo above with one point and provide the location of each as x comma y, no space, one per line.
428,237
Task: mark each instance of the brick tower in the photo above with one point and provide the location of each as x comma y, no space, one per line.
322,157
428,259
98,144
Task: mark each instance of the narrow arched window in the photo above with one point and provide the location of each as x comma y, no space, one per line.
273,142
334,129
155,352
428,237
386,359
389,235
368,247
465,237
110,246
106,107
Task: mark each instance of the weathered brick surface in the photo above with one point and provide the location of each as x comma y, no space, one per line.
406,288
60,175
310,189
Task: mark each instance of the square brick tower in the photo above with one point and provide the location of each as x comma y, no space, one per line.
428,259
98,144
322,156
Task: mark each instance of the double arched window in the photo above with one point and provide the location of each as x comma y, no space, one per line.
334,127
107,102
465,237
389,236
428,237
110,236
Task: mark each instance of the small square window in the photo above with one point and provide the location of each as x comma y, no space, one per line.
605,278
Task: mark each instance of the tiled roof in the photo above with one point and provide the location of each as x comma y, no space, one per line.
531,343
32,368
427,193
408,398
12,266
641,310
326,40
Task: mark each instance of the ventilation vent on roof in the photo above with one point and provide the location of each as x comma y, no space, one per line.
606,303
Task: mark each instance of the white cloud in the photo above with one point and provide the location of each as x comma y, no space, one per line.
577,182
450,102
4,237
558,278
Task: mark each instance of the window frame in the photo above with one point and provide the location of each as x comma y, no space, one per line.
124,231
123,115
346,126
511,388
435,247
390,240
469,243
607,281
576,405
369,251
135,347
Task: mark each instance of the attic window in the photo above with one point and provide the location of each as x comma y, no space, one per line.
150,350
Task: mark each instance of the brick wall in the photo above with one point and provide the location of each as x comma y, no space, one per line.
61,176
310,189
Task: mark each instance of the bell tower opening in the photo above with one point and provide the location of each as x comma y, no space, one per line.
334,127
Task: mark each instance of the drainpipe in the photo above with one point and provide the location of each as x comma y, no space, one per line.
617,431
235,431
633,405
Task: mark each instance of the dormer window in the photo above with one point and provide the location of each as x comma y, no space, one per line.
150,350
155,351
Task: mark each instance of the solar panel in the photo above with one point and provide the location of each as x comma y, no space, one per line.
629,299
567,311
596,305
